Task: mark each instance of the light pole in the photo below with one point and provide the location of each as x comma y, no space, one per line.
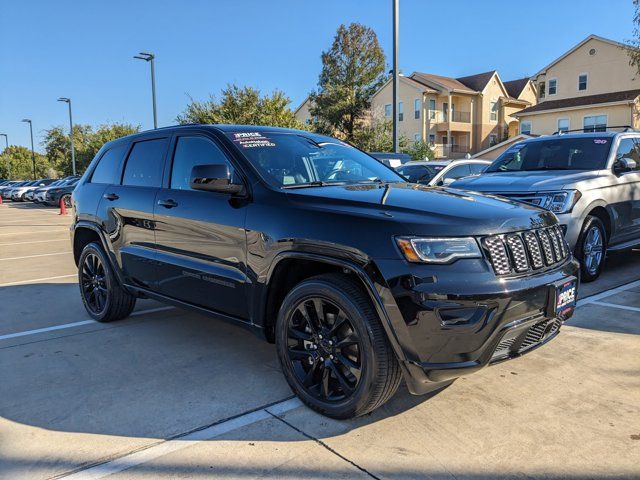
33,153
73,151
149,57
396,14
6,139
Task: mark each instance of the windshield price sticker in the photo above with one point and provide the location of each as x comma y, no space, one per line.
252,140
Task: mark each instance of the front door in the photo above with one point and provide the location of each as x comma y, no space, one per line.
624,195
200,235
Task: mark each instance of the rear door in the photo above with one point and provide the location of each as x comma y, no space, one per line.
624,197
200,235
126,209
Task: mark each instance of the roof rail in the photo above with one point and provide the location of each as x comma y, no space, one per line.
627,128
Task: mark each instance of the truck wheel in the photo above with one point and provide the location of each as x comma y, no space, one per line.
591,248
333,349
102,295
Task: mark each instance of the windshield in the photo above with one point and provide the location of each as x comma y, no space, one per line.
289,160
419,173
586,153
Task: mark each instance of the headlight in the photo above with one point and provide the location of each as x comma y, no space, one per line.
560,202
438,250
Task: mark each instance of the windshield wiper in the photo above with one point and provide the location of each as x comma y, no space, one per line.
313,184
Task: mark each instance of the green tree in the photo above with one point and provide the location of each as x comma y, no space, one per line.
243,106
352,70
87,142
21,165
633,46
420,150
376,136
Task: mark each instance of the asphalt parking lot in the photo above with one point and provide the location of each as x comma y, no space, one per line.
170,394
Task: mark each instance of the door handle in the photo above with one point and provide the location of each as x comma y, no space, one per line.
168,203
110,196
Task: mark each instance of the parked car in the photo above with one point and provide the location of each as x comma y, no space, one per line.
392,160
39,193
359,277
444,172
7,186
26,192
589,180
7,192
53,196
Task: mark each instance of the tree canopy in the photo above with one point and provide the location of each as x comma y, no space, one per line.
18,159
352,70
633,46
243,106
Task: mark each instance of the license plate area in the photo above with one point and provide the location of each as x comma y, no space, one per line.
563,298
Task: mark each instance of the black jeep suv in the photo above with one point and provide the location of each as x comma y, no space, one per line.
360,278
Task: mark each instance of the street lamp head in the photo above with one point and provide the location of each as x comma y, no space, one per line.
64,99
26,120
145,56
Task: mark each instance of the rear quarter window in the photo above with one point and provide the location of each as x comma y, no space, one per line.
108,168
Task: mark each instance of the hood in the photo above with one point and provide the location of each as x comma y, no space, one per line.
518,182
425,210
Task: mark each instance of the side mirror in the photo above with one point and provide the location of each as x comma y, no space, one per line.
214,178
624,165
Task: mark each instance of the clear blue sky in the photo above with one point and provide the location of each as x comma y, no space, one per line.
83,49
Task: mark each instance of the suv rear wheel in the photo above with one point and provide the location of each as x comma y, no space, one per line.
591,248
333,349
102,295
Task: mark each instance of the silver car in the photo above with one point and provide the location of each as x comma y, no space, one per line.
441,172
591,181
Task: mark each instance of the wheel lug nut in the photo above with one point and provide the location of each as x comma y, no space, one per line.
322,359
320,337
330,342
310,360
331,357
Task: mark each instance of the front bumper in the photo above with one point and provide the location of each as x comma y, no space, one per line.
456,320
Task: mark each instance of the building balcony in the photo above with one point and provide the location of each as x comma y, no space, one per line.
450,151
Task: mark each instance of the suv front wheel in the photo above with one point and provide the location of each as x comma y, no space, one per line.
591,248
103,297
333,349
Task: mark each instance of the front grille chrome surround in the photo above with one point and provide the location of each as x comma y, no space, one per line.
521,252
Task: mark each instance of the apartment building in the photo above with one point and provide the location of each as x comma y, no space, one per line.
456,115
590,87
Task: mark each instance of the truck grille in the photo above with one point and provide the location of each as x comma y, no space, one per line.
525,251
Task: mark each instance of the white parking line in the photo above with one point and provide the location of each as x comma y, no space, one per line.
615,305
75,324
35,232
34,241
34,280
606,293
160,449
34,256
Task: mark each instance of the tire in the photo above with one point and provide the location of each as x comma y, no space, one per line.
67,200
592,257
96,280
364,344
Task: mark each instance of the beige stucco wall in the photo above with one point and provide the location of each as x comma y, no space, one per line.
302,114
407,93
608,71
547,123
529,94
485,126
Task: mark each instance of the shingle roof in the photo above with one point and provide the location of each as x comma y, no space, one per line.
515,87
477,82
580,101
447,82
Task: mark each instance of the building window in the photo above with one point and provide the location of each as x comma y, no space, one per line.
387,110
553,86
432,139
493,111
445,140
417,137
525,128
400,111
582,81
445,112
563,125
493,139
432,109
417,104
595,123
542,88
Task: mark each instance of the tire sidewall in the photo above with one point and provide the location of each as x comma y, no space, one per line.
589,223
323,289
95,249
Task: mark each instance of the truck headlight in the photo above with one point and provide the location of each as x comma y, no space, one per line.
560,202
438,250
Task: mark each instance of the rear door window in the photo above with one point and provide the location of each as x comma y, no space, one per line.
457,172
108,168
145,163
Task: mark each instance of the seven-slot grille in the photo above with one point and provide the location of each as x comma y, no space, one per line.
524,251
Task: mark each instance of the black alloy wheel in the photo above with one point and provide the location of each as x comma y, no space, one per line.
324,349
93,283
66,200
333,349
103,296
591,248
